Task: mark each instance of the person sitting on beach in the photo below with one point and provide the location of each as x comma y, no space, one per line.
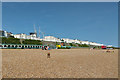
109,50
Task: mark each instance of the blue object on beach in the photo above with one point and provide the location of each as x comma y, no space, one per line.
48,48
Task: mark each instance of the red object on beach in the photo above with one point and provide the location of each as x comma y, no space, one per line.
62,44
103,47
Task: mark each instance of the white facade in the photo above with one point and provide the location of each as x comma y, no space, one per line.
91,43
5,33
109,46
51,38
68,40
71,40
21,36
34,35
95,44
24,36
77,41
28,37
85,42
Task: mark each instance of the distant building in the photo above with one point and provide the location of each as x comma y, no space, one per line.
77,41
109,46
5,34
68,40
24,36
85,42
95,44
91,43
20,36
33,35
51,38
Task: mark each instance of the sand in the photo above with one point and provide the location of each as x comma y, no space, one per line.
0,64
63,63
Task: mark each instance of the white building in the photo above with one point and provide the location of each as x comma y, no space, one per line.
71,41
68,40
20,36
51,38
95,44
109,46
77,41
24,36
85,42
5,34
91,43
34,35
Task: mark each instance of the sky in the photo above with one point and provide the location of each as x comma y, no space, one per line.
92,21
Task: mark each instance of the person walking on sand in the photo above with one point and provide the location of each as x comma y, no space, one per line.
48,53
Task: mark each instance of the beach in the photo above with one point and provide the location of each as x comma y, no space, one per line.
0,64
63,63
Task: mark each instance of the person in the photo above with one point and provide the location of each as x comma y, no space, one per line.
108,50
48,55
45,47
42,47
91,48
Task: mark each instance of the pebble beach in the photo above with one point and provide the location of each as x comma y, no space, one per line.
63,63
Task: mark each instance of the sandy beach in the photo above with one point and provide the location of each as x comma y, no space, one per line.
63,63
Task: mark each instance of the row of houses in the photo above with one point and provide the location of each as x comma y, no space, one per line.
33,36
54,39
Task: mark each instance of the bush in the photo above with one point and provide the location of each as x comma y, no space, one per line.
83,45
11,40
71,44
35,42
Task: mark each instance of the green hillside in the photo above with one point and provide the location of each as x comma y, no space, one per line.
11,40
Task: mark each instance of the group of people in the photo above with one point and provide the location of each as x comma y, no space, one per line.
46,48
107,49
